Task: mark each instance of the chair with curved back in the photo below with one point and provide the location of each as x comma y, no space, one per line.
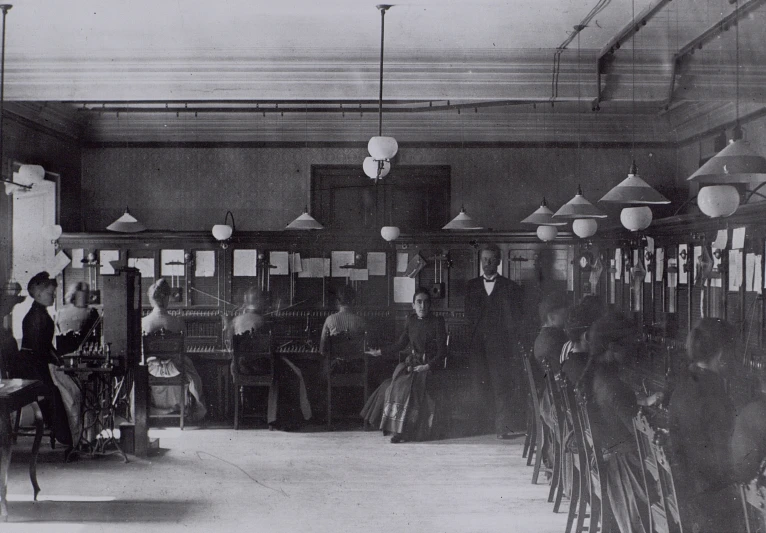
658,476
165,345
572,444
754,502
252,366
535,440
558,435
346,365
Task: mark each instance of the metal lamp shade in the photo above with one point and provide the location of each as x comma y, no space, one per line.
543,216
304,222
736,163
636,218
547,233
127,223
634,190
382,148
462,222
578,207
718,200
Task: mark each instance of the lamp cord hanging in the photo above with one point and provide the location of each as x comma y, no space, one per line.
4,8
383,9
633,82
737,129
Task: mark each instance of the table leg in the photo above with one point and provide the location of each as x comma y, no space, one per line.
39,426
5,459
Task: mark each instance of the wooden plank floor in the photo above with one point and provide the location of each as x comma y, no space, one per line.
271,481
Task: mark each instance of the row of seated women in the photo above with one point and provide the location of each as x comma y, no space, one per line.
402,406
714,445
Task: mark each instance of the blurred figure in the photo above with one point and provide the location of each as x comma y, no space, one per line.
575,352
75,318
170,397
344,321
702,419
250,317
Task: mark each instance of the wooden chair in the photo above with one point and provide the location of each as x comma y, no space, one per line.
536,441
252,366
595,468
166,345
558,436
573,445
658,477
347,352
754,502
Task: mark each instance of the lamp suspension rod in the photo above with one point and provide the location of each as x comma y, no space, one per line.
736,66
4,8
633,83
383,8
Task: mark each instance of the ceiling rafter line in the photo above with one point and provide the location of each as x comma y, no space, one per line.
353,107
616,42
709,34
95,105
718,128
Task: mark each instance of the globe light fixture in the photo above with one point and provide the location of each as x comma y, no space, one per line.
389,233
584,227
223,232
636,218
718,200
547,233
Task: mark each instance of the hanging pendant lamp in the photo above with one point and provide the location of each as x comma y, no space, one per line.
543,216
127,223
578,207
462,221
634,190
304,222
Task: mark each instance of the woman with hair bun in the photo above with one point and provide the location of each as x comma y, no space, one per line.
170,398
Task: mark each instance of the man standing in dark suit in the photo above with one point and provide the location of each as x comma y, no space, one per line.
493,309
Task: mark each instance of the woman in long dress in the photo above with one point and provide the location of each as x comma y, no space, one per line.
161,319
407,402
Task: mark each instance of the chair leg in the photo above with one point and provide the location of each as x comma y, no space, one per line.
16,425
574,501
183,405
329,395
538,452
556,475
237,389
583,499
532,442
528,436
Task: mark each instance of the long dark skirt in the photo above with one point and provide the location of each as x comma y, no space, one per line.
288,404
408,408
627,495
372,412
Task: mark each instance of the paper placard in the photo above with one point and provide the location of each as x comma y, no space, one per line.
618,263
176,260
758,279
749,271
145,265
659,264
404,289
359,274
401,261
340,260
204,264
77,257
376,263
245,262
60,262
735,269
280,263
313,267
738,238
105,259
296,265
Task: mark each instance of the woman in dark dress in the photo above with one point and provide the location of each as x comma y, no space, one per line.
37,353
702,419
407,401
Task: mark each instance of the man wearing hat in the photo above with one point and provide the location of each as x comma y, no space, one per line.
37,352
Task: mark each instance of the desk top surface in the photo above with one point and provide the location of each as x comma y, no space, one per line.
8,387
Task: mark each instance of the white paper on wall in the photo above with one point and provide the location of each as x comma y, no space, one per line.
105,259
204,264
749,271
340,260
280,263
77,257
721,239
618,263
172,263
659,264
758,269
359,274
402,258
145,265
735,269
404,289
245,263
296,265
738,238
60,262
376,263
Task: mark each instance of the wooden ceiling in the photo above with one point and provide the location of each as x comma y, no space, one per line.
454,72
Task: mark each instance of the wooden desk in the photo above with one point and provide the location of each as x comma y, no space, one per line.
15,394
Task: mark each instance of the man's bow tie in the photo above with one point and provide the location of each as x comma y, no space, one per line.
487,280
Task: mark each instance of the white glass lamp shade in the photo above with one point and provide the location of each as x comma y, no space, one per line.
543,216
636,218
462,222
127,223
577,208
634,190
371,166
584,227
718,200
51,232
547,233
382,148
389,233
222,232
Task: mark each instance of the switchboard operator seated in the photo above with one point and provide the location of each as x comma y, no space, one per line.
160,319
